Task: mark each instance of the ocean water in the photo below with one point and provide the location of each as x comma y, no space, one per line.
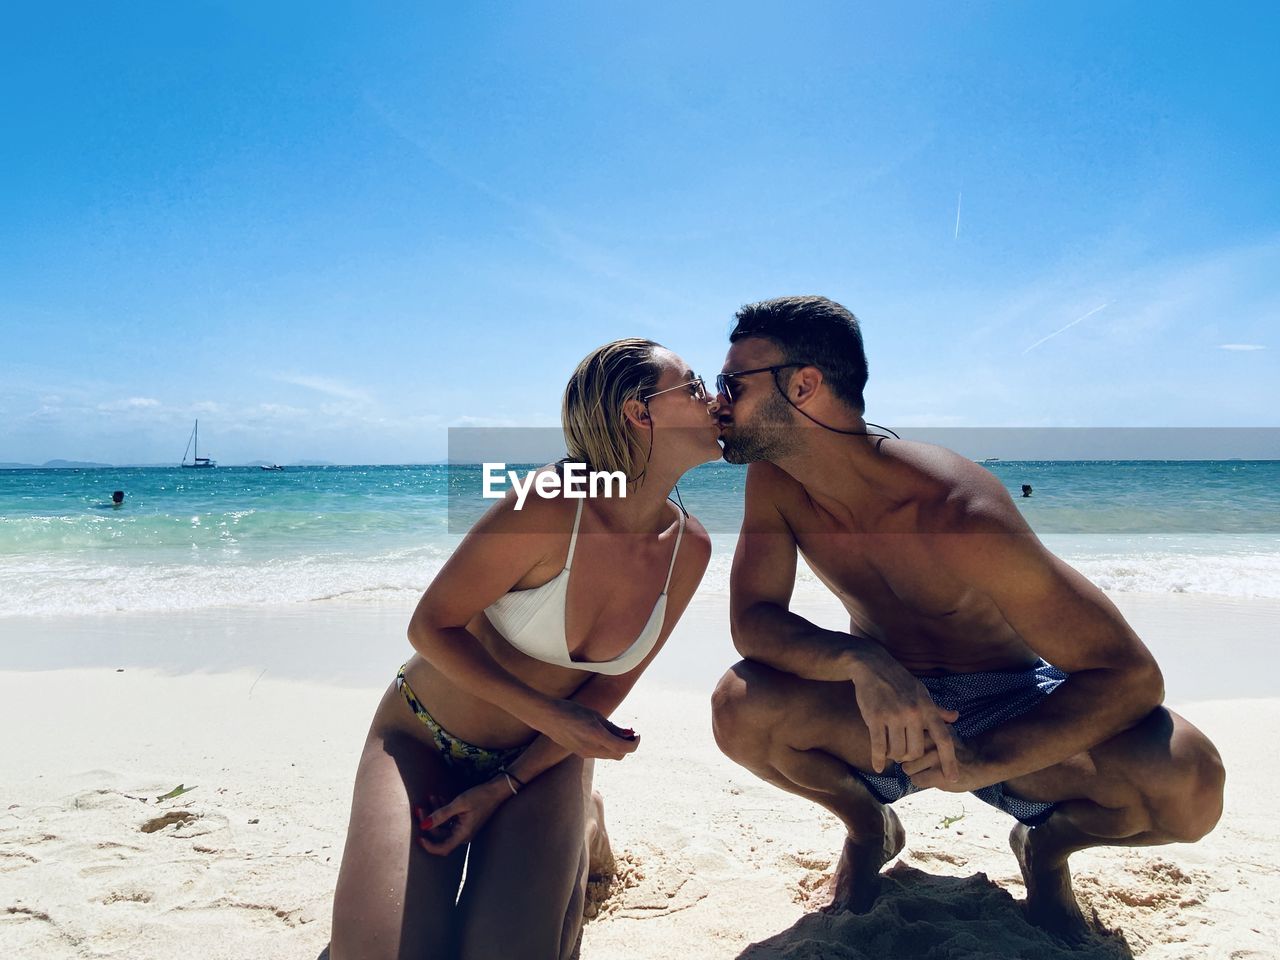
231,536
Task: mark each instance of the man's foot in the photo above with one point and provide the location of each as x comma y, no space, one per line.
1051,904
857,878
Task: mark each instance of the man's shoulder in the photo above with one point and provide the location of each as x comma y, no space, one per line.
939,464
955,495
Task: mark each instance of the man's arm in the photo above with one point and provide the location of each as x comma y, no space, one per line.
902,722
764,574
1068,621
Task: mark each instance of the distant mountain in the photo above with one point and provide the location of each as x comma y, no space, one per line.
81,465
58,465
91,465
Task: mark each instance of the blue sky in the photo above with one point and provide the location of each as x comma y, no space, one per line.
333,231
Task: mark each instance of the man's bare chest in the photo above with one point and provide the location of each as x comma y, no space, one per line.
887,577
911,604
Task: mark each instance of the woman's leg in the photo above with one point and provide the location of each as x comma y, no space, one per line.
395,901
526,878
600,859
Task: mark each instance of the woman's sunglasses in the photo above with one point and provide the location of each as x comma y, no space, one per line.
699,391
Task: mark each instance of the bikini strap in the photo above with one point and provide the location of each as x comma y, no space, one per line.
573,537
674,552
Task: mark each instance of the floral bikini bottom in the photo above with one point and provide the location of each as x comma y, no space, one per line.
458,754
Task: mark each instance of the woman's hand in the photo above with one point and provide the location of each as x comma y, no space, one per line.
443,830
583,731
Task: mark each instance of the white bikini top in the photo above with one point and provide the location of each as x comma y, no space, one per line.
532,620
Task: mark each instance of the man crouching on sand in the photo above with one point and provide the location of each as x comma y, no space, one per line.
975,659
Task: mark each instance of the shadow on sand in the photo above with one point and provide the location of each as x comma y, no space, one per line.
927,917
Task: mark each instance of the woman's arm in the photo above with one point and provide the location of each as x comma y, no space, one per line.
600,694
446,828
503,548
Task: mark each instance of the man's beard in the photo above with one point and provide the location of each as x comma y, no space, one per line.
771,435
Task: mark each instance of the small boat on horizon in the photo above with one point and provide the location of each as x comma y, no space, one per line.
197,460
273,466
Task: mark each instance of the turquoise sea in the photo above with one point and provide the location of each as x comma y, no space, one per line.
236,536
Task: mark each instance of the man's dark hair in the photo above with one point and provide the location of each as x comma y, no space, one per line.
812,330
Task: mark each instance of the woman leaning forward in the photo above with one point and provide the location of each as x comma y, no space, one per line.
482,748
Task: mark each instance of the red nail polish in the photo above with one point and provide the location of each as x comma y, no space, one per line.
425,824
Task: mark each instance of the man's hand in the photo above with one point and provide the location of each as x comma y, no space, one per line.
927,771
903,722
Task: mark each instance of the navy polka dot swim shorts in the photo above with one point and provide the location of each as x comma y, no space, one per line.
984,701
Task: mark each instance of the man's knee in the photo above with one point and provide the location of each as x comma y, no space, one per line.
1187,792
1203,780
740,711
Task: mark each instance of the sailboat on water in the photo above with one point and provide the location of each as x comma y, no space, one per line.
197,460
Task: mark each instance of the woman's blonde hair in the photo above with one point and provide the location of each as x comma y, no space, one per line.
595,427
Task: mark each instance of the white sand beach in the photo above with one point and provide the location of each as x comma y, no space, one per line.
261,715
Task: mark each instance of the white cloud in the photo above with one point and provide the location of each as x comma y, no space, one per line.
277,411
1125,364
930,420
470,421
327,386
132,403
1145,299
45,413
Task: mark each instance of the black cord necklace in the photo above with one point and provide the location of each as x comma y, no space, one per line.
847,433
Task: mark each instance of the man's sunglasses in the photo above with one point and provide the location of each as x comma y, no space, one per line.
724,382
699,390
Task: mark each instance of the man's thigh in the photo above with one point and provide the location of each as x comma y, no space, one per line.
1153,757
790,712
